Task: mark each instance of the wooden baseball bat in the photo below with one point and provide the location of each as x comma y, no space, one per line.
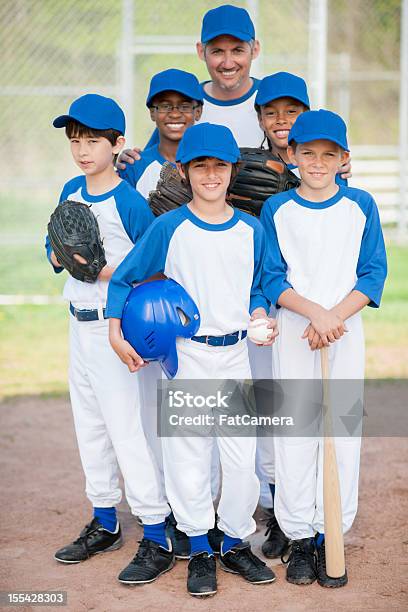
333,523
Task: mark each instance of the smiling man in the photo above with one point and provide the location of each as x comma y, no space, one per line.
228,46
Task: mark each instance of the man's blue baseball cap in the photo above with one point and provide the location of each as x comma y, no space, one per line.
96,112
227,19
207,140
319,125
282,85
183,82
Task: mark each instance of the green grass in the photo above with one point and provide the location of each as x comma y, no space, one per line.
33,339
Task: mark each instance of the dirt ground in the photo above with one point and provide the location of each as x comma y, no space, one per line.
43,507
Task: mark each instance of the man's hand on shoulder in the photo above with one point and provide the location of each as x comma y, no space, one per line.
128,156
345,170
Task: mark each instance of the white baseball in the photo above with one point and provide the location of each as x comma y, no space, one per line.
258,331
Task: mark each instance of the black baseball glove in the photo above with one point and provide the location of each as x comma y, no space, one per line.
261,175
73,229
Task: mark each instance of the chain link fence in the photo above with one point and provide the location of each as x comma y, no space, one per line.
56,50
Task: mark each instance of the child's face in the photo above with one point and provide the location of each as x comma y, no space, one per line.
277,117
318,162
228,60
173,123
94,154
209,178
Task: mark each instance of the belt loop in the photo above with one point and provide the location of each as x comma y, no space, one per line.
100,312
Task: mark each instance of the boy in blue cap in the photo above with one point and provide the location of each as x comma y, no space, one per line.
175,101
104,394
215,252
280,99
325,262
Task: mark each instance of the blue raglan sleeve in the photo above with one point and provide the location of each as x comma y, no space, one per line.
134,212
372,261
69,188
132,173
258,299
147,258
275,267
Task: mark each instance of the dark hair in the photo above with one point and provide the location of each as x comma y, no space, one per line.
234,171
74,129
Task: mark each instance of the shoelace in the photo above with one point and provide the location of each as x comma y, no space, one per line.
298,553
202,565
271,524
89,531
144,553
321,557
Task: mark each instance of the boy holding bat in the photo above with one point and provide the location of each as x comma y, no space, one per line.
325,261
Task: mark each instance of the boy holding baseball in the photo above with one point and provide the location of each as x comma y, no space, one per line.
325,262
216,253
104,394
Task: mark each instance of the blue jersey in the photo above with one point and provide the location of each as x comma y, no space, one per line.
219,265
123,215
324,250
144,173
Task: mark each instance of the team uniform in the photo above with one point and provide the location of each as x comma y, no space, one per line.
220,267
145,172
104,394
323,250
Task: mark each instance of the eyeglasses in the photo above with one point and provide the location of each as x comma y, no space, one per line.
185,108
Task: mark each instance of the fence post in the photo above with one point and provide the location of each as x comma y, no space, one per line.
403,124
317,68
126,76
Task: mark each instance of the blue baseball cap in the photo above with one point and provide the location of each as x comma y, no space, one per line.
282,85
227,19
175,80
96,112
208,140
319,125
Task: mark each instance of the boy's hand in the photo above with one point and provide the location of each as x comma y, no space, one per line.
128,156
127,353
106,273
314,339
327,324
345,170
260,313
55,261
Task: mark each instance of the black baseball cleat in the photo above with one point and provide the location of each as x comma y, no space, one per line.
241,560
179,540
215,537
301,562
150,562
322,578
202,577
276,543
93,539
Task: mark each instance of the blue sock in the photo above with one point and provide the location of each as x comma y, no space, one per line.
272,488
319,539
200,544
228,543
106,517
156,533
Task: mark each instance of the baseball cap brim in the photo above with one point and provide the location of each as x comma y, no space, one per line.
179,89
224,156
62,121
228,32
261,100
318,136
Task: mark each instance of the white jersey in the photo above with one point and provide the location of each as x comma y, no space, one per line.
238,115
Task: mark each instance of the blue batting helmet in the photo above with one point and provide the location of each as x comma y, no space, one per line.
154,315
